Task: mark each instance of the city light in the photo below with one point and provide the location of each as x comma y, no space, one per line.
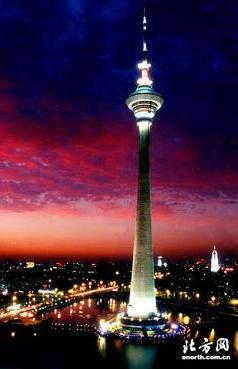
30,264
233,301
186,320
47,291
103,326
14,307
213,299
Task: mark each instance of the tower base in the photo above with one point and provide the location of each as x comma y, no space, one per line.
154,328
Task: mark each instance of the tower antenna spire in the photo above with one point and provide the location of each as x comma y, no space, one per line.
144,66
145,49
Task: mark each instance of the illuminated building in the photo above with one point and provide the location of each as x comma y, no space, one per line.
30,264
214,261
144,103
159,264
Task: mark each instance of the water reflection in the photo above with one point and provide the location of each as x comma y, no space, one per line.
196,334
140,357
101,343
212,335
235,344
90,312
118,344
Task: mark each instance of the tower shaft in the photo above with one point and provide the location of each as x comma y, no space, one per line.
142,296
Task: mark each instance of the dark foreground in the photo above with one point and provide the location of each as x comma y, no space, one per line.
47,350
67,339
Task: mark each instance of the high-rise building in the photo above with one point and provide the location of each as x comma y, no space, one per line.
214,261
144,103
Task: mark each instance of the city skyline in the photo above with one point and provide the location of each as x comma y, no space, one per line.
68,152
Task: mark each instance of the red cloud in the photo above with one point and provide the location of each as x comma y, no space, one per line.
54,160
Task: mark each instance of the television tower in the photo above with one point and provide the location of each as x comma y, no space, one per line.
214,261
144,103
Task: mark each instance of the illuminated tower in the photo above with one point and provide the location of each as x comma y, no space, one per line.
144,103
214,261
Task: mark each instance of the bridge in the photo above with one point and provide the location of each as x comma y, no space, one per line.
9,315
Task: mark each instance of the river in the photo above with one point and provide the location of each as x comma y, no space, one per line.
63,349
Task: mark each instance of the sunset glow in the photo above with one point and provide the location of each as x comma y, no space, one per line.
68,153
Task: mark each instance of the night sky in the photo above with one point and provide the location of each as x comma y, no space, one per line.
68,152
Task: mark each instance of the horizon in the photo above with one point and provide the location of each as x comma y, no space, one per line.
68,156
124,258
